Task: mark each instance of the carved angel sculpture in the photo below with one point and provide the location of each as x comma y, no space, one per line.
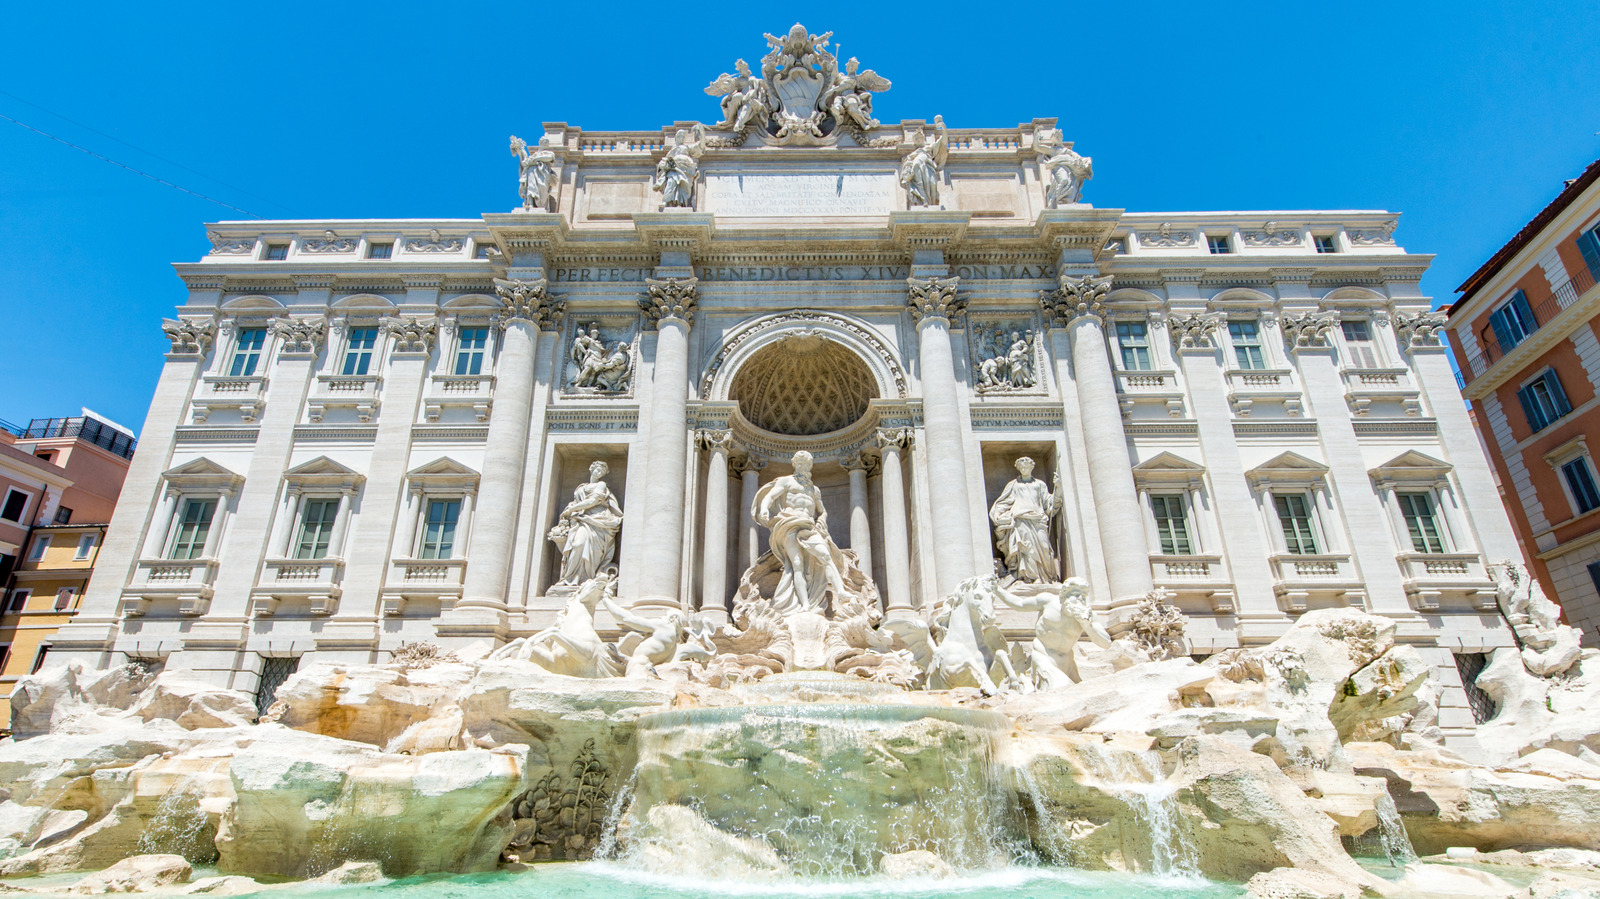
745,101
919,171
537,170
677,171
1065,170
849,99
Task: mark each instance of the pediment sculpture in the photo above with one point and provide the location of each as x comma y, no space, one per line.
801,98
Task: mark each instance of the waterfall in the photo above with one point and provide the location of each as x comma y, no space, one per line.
179,827
1172,853
1389,839
819,790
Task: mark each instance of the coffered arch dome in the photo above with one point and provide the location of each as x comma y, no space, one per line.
803,385
750,338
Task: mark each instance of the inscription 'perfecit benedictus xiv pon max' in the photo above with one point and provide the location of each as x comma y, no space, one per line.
774,387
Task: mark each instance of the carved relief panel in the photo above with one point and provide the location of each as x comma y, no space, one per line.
601,354
1006,353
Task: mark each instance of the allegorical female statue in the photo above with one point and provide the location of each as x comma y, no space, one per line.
1022,517
677,171
586,531
919,171
537,168
791,507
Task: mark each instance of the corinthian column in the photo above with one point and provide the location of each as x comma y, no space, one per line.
749,468
932,301
528,308
714,565
896,548
860,526
669,305
1078,306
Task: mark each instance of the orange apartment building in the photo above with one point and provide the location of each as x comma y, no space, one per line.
1526,334
59,480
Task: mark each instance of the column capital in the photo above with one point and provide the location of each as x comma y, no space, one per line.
1309,330
667,298
746,462
411,335
1075,298
189,337
1420,330
1198,330
300,335
934,298
529,301
713,440
858,461
892,438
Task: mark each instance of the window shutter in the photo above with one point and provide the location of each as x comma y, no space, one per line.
1530,409
1558,397
1503,334
1589,246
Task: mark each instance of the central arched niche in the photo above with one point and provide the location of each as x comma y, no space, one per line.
802,385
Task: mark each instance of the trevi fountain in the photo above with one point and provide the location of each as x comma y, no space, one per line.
1066,724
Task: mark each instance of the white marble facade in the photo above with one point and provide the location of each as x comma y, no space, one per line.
366,429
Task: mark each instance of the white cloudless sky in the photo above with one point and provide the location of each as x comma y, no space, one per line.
1463,117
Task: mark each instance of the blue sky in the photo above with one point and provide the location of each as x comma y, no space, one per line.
1464,117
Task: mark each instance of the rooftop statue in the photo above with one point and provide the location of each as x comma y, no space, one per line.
677,171
921,169
1065,170
801,97
537,173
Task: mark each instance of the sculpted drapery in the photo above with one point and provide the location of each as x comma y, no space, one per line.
586,531
791,507
1022,517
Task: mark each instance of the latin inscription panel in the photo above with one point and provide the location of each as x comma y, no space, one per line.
801,194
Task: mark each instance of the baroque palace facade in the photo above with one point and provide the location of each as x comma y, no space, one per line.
366,432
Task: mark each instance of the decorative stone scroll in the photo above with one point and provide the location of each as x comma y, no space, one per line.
1271,235
1076,297
1421,329
934,298
328,243
189,337
670,298
1164,238
530,300
1309,330
411,335
1381,236
230,246
300,335
435,244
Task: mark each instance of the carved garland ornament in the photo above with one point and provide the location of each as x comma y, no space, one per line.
411,335
300,335
530,300
803,315
1076,297
934,298
189,336
670,298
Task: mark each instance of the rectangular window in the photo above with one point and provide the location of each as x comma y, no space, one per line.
277,252
1325,243
1543,400
380,250
439,534
247,352
1294,514
40,544
1133,338
16,503
63,515
1580,480
19,601
1172,525
1513,322
1358,341
470,345
1246,339
1421,523
64,598
1589,246
194,525
38,660
358,350
86,544
316,527
1218,243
